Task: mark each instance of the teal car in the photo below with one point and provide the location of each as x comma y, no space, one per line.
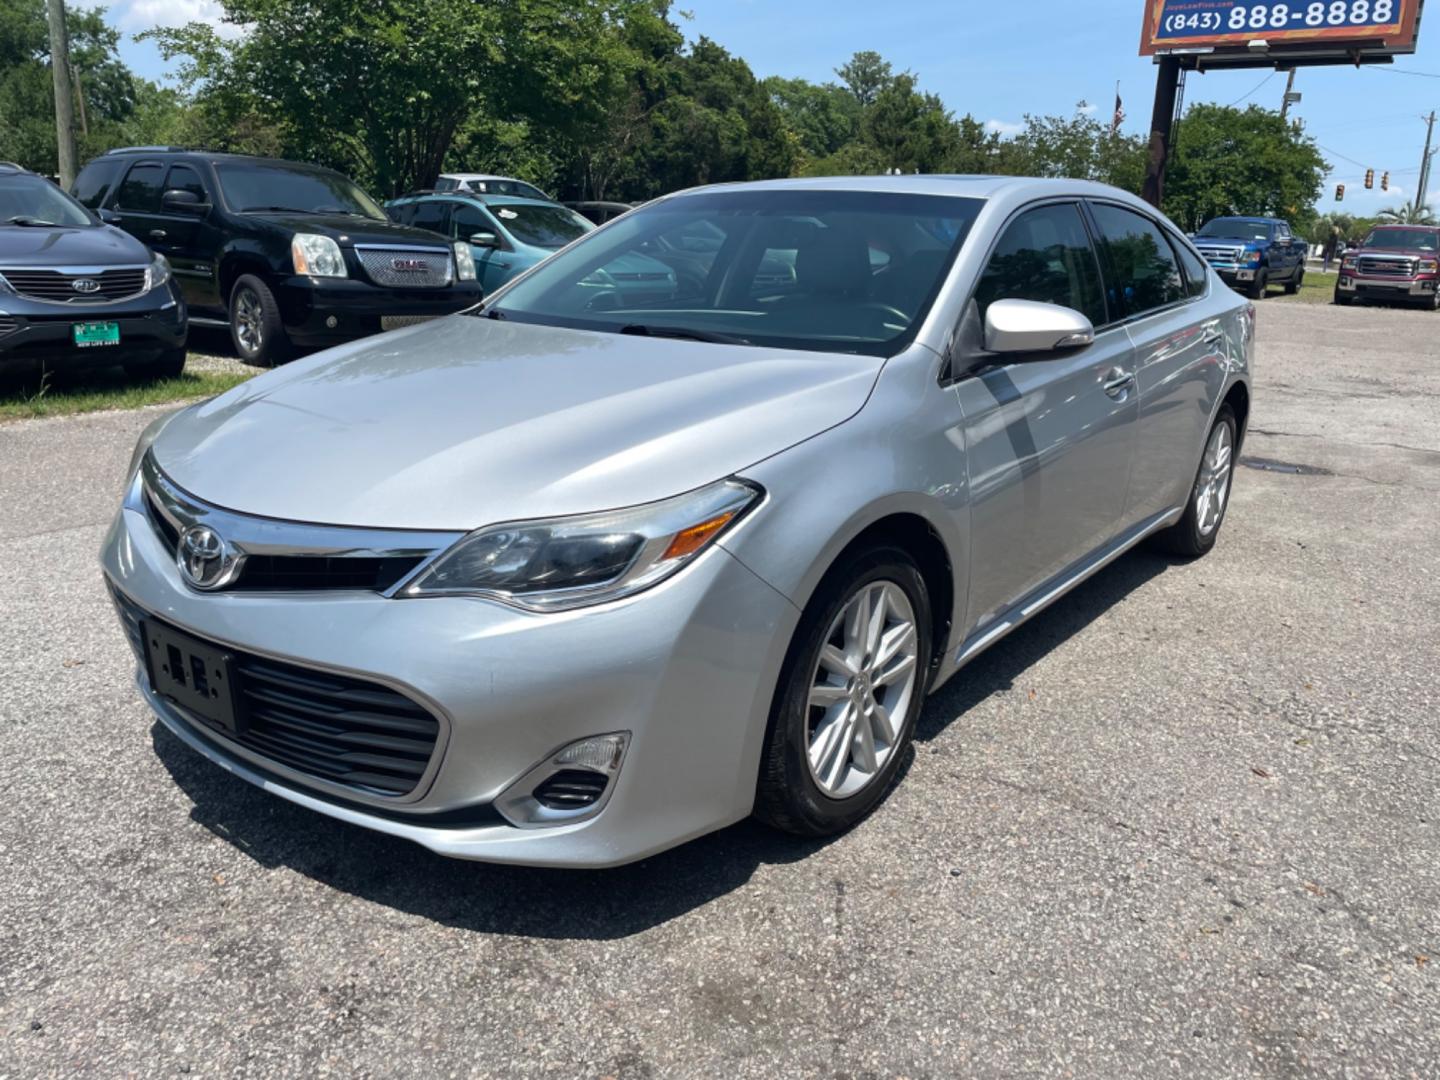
507,234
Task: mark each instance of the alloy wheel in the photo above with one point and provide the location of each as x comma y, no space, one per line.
1213,486
249,321
862,689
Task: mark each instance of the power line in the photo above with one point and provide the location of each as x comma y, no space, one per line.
1405,71
1252,93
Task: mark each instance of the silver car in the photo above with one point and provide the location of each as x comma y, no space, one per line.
596,568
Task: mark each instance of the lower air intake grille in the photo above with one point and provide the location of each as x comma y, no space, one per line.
7,325
571,789
340,728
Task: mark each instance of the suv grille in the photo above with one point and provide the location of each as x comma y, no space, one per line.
406,268
1387,267
333,727
57,287
301,572
1221,254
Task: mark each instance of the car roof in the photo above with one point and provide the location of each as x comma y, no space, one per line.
215,157
476,196
975,187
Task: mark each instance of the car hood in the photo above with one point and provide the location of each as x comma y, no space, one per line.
1393,253
38,247
346,229
467,421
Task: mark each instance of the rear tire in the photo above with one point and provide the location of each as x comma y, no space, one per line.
1195,533
840,726
168,365
256,330
1293,286
1257,288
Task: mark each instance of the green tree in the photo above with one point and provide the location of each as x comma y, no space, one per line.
1077,146
865,75
823,118
1250,161
1407,214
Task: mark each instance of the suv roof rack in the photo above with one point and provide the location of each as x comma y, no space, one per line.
148,150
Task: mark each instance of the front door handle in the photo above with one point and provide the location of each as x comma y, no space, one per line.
157,234
1118,381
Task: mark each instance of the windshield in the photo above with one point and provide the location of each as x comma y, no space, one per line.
1236,229
1403,240
494,185
278,186
33,200
831,271
542,226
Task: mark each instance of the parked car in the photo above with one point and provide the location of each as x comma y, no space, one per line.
563,582
282,253
507,235
488,184
76,292
1253,253
1394,262
600,212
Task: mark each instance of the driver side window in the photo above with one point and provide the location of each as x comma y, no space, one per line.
1045,255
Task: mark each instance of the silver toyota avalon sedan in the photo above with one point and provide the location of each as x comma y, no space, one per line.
685,523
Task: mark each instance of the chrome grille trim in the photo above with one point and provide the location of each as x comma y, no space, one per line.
1387,266
260,536
1220,254
55,285
381,266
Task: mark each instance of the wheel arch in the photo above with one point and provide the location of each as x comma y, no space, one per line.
1238,398
233,265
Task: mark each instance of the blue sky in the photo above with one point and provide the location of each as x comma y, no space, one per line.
983,63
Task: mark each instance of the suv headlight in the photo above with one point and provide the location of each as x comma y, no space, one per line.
317,256
464,262
1428,266
1251,258
572,562
157,273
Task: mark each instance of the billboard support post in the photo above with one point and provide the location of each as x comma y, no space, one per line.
1162,126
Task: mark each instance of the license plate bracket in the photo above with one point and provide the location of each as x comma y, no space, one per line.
197,676
92,335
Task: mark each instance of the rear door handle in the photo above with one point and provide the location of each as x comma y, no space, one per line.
1213,333
1118,381
157,234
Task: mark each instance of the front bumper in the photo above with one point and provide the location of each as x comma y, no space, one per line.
1420,288
1230,273
329,311
38,335
688,668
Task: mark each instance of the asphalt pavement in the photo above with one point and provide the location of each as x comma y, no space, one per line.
1185,823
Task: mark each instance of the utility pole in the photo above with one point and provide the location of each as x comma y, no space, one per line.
64,100
1289,88
1162,124
1425,166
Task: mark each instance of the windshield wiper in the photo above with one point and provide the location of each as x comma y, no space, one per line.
684,333
276,209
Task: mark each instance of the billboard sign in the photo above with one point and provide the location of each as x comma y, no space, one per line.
1190,25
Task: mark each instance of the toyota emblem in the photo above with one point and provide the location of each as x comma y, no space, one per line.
85,285
205,558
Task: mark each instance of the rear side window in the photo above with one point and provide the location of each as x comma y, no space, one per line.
141,187
94,182
1146,275
1045,255
184,178
1196,272
434,216
446,184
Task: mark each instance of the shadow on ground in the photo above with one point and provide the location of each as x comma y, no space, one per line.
595,905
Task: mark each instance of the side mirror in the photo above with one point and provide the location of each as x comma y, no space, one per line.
1028,326
109,217
182,202
485,240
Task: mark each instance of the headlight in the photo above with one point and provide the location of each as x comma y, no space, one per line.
1429,266
1252,258
317,256
572,562
464,262
1348,262
157,273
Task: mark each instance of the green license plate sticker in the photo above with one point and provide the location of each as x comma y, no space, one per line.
88,335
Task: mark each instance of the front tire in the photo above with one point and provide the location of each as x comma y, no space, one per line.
1341,300
1195,533
1257,288
255,326
1293,286
852,685
168,365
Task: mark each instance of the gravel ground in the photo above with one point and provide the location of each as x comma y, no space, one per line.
1183,824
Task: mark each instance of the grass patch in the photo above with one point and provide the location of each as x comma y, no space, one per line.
100,391
1317,288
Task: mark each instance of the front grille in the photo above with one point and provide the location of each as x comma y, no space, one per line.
1382,267
405,268
310,573
58,287
333,727
1221,254
571,789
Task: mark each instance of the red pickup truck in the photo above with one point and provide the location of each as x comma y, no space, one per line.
1396,262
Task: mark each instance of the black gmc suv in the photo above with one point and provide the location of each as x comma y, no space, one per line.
75,292
283,253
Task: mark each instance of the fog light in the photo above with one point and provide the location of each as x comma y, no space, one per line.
332,322
572,784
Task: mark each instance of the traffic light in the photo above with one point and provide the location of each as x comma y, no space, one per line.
1339,192
1369,179
1385,181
